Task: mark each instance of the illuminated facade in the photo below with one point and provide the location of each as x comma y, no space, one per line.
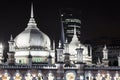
30,57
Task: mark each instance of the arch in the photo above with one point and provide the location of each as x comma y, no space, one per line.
116,76
105,76
89,75
70,75
40,76
17,75
50,76
28,76
6,75
108,76
98,76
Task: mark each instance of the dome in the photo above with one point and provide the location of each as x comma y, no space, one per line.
32,37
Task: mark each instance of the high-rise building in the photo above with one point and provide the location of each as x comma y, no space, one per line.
71,19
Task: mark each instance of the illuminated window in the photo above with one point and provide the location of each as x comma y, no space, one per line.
17,77
28,76
5,76
50,76
40,76
70,76
99,76
90,77
107,77
117,77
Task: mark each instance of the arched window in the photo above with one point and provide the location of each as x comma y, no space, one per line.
89,76
5,76
70,76
116,77
107,77
39,76
99,76
28,76
50,76
17,76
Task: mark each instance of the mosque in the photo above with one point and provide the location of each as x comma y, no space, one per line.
30,57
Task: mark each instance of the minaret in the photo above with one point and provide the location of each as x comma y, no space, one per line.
11,44
98,62
60,52
62,31
11,53
105,52
1,53
119,60
105,60
66,46
53,46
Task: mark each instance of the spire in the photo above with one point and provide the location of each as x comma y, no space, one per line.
98,61
32,14
105,47
60,45
62,30
66,41
32,24
75,38
11,38
74,30
53,45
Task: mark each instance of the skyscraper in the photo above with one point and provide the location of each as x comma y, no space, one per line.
71,20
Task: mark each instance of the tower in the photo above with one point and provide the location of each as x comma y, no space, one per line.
70,20
1,53
11,59
11,44
60,52
105,56
119,60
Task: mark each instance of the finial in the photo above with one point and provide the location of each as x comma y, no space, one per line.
66,41
32,15
59,46
11,38
74,30
99,61
53,45
105,47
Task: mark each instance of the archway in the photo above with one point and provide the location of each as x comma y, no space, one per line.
5,76
17,76
99,76
51,76
89,76
40,76
28,76
108,76
70,75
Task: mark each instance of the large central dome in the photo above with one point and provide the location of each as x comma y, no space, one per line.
32,36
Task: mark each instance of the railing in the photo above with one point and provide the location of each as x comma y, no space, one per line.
102,68
28,66
70,67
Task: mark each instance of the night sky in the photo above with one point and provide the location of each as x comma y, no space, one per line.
98,18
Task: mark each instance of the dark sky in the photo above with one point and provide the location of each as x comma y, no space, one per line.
98,18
